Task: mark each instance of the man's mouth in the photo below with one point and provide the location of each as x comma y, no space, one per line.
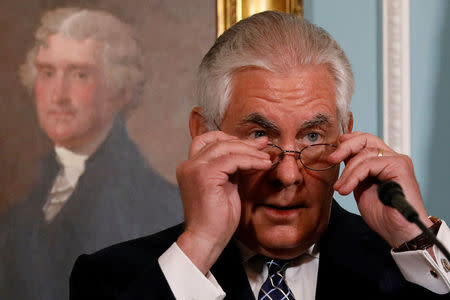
281,213
60,113
279,207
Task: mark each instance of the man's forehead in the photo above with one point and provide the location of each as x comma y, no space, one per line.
297,87
316,120
64,50
304,98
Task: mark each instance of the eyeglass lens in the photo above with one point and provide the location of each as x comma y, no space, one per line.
313,157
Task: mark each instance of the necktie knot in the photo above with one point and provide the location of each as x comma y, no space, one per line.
275,287
277,266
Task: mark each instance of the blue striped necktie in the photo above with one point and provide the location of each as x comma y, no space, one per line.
275,287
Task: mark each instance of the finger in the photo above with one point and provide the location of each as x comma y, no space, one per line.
362,158
225,148
370,167
220,170
210,137
232,163
349,135
217,171
352,144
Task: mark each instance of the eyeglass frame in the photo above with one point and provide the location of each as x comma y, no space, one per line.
299,153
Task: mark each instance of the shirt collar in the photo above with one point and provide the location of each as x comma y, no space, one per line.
72,163
247,254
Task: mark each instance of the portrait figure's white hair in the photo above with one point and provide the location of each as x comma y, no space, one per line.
122,55
277,42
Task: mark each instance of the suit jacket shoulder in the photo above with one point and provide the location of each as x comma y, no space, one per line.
355,263
128,270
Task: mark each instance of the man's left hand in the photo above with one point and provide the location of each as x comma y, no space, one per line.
364,168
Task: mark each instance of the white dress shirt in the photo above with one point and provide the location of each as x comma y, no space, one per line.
187,282
305,267
72,166
72,163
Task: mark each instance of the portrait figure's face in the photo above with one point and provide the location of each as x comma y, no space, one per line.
285,209
73,102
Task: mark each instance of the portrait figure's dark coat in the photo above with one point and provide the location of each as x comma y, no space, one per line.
118,197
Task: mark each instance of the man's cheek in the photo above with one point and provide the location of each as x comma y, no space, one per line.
41,94
84,92
42,107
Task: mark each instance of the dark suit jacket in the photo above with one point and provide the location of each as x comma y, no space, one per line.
117,198
355,263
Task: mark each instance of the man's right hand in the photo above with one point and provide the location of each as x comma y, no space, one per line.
211,201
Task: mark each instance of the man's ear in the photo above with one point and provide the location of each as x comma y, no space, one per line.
197,123
350,122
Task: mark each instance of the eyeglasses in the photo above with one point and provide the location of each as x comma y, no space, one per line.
313,157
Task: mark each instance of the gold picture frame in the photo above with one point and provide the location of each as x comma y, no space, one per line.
230,12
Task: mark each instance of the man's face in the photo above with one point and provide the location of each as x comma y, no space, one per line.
285,209
74,105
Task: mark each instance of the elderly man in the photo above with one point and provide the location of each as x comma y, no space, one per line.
272,127
95,189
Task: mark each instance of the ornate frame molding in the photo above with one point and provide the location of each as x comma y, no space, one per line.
230,12
396,75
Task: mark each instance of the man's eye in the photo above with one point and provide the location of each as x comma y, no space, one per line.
257,134
313,137
46,73
81,75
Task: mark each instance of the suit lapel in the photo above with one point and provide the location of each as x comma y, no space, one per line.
351,255
230,274
336,266
48,170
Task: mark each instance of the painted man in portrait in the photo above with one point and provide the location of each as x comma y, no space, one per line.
95,189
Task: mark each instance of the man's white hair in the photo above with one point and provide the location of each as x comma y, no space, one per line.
123,65
277,42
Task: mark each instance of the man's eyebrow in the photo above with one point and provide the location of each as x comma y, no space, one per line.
85,66
70,66
260,120
40,65
317,121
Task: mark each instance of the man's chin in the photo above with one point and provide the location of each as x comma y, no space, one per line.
283,250
283,242
62,138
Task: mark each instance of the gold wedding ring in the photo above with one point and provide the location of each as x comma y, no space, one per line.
380,152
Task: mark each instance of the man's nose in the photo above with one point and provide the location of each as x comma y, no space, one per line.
287,171
60,89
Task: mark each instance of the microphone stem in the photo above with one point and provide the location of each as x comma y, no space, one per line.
431,236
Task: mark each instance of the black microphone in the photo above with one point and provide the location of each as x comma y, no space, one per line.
391,194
